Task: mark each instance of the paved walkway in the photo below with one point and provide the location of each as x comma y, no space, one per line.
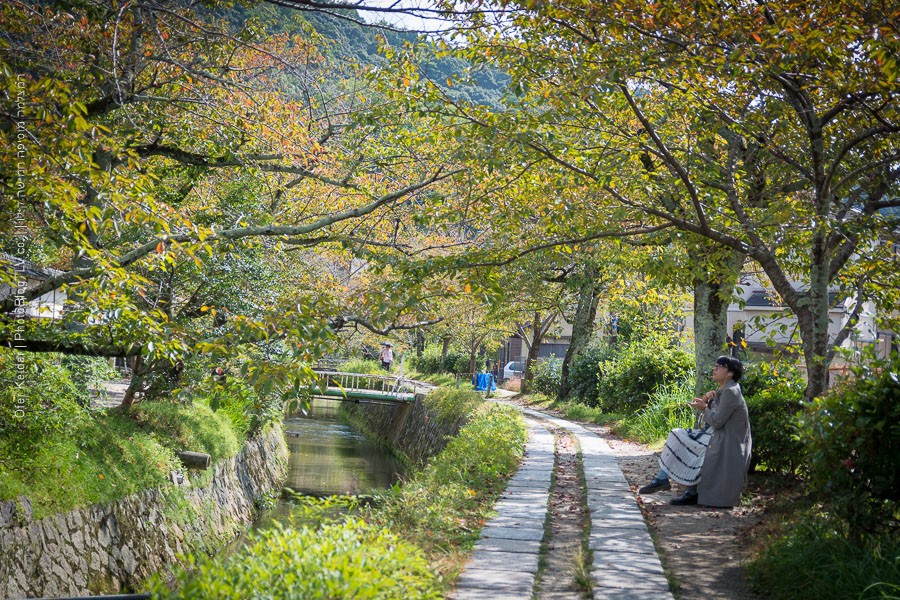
504,561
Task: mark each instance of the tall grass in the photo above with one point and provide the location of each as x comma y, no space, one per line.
667,410
815,560
112,454
361,365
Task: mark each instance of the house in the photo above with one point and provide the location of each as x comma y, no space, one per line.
46,306
555,343
763,323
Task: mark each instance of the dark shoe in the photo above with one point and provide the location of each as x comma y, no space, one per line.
655,486
686,499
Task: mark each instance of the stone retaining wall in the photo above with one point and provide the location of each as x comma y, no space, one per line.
111,548
412,429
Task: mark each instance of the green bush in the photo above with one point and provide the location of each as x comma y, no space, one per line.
452,404
88,372
816,560
361,365
444,505
430,362
625,382
349,559
547,374
774,398
37,399
852,441
667,409
583,371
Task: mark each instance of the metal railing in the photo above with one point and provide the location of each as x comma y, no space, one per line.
388,385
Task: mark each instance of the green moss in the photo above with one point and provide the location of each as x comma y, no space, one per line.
105,456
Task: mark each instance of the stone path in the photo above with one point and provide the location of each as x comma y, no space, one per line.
505,559
504,562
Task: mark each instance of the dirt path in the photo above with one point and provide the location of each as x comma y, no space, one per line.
568,519
703,550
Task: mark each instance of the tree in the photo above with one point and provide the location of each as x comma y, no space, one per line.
767,130
146,137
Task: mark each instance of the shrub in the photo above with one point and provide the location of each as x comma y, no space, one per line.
37,399
583,371
445,504
852,441
361,365
816,560
667,410
626,381
349,559
430,362
453,404
88,372
774,401
547,374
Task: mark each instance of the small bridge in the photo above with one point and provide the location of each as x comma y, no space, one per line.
361,387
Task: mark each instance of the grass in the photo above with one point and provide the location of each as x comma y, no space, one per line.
409,542
442,508
814,559
346,559
666,410
438,379
109,455
451,404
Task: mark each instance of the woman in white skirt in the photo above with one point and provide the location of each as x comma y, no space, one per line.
712,461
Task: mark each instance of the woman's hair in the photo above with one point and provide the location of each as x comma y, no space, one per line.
733,365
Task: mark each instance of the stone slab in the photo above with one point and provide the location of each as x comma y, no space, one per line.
479,594
507,545
504,561
496,581
513,533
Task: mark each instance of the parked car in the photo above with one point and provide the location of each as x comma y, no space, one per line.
513,369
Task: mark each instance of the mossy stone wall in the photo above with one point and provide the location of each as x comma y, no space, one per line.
413,429
111,548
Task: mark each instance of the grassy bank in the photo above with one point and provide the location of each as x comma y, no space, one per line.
102,456
409,544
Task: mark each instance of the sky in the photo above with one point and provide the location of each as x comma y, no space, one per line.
401,20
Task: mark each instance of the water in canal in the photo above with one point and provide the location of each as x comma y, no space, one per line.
328,457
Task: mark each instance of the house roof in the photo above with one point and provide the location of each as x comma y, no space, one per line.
27,268
760,299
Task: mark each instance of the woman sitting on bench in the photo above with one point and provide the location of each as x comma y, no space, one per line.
711,461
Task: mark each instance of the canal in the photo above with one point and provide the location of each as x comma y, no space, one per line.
330,457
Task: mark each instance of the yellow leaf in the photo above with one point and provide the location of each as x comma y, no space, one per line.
468,289
204,308
160,247
743,343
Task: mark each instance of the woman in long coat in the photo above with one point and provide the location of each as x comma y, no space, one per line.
712,461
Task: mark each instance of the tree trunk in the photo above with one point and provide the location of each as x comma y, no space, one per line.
445,348
420,342
813,321
136,385
538,329
582,327
712,295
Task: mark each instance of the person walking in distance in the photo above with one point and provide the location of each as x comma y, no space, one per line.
387,356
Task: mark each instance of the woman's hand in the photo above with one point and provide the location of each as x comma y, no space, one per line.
702,402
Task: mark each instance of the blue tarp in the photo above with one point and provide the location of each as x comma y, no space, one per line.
481,381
